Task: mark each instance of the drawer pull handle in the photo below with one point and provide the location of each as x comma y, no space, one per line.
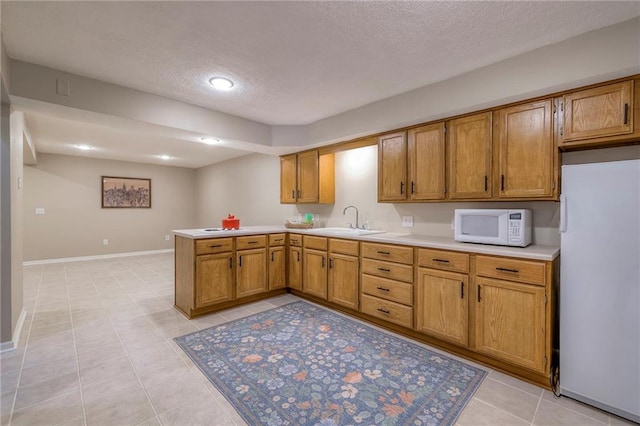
330,263
216,246
440,260
384,269
272,254
293,194
383,252
240,261
323,261
253,242
231,262
486,183
295,242
298,253
383,288
384,311
513,271
479,298
277,240
401,188
461,289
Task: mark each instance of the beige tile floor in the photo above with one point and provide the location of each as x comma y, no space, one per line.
97,349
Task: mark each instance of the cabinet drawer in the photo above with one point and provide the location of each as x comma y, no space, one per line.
388,289
511,269
295,240
214,245
390,270
277,239
316,243
445,260
386,310
387,252
251,241
349,247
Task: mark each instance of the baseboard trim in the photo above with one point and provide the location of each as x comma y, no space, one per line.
97,257
13,343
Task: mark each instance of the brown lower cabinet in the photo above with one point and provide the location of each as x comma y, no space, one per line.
217,273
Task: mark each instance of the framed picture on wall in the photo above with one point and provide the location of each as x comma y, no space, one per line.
126,193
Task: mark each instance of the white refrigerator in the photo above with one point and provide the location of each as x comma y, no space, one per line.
600,285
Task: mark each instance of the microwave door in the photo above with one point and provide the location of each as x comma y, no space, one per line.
484,228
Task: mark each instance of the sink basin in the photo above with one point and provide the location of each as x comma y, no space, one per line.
348,231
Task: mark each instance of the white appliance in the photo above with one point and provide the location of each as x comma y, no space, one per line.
493,226
600,285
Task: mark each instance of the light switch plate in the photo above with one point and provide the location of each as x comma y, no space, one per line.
39,210
407,221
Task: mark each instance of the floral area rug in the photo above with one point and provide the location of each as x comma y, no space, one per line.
300,364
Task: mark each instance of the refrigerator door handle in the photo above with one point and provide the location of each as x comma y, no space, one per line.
563,213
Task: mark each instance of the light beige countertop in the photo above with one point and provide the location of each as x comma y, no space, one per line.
536,252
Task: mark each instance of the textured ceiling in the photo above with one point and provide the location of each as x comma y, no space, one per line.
292,62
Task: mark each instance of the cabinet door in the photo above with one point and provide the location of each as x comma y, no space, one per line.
277,276
392,167
442,305
426,162
314,281
510,322
470,157
252,272
526,151
598,112
295,268
343,280
214,279
288,187
308,177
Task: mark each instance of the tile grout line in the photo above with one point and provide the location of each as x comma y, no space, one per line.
121,342
515,388
500,409
26,346
169,340
75,348
535,413
582,414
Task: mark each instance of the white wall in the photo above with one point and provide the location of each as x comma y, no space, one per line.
248,187
18,128
74,223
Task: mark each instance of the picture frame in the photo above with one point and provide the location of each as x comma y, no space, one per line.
126,193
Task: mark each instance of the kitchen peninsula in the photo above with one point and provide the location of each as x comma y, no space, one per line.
492,304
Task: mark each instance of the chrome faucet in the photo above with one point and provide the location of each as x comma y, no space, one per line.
345,212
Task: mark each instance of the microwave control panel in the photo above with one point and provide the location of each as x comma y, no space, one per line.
515,227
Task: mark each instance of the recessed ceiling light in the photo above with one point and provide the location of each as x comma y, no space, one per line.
165,157
84,147
221,83
210,141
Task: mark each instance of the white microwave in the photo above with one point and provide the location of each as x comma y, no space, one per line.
493,226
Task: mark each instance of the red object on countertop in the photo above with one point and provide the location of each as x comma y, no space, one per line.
231,222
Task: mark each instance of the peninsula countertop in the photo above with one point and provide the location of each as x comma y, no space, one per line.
534,251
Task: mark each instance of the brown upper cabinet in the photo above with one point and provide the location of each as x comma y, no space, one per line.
392,167
598,114
307,177
469,142
525,154
426,157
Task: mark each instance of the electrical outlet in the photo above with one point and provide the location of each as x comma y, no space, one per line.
105,242
407,221
39,210
167,238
